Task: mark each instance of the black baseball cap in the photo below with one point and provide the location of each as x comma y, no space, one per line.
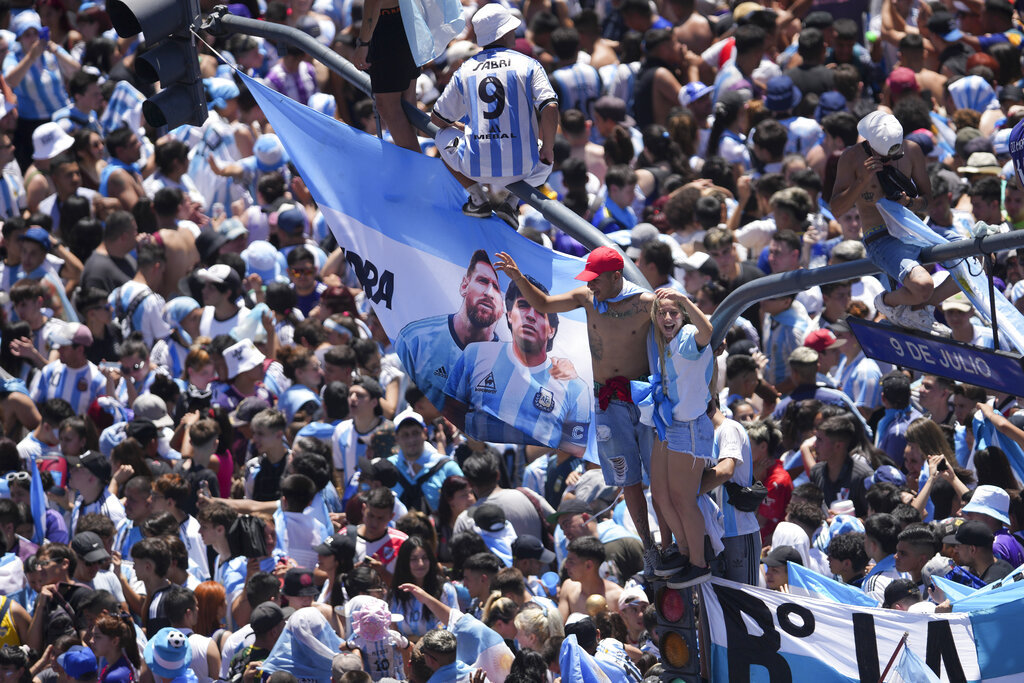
488,517
143,431
97,464
266,616
971,533
341,546
779,556
574,506
527,547
298,583
89,547
898,590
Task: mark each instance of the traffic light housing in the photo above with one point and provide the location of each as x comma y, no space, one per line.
677,631
172,57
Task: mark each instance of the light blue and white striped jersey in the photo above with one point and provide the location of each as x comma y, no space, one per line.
107,505
499,93
78,387
125,106
429,348
12,191
782,334
41,92
508,402
685,373
731,441
577,86
619,80
125,536
860,379
169,357
218,139
148,316
71,118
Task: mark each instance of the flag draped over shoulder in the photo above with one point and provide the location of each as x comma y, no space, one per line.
480,647
495,367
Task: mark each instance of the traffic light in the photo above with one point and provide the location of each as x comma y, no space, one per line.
677,630
171,58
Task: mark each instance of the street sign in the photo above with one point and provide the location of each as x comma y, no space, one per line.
995,370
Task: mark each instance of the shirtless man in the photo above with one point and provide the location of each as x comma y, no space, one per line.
912,56
582,562
858,184
618,319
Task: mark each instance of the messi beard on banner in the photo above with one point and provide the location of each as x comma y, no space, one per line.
479,352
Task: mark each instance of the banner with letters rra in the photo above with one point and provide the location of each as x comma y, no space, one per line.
761,635
492,364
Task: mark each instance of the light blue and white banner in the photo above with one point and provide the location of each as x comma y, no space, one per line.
762,635
497,368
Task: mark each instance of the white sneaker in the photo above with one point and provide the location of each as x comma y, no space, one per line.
922,319
885,309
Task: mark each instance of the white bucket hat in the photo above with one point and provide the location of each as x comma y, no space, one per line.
492,22
49,140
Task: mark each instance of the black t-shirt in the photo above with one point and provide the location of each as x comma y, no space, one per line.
812,79
850,483
999,570
105,348
193,475
627,556
106,272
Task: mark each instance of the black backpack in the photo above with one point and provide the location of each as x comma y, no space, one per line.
247,537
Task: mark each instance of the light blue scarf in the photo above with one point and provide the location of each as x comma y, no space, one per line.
628,289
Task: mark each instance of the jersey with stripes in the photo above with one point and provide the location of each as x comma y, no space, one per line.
498,93
508,402
578,86
41,92
685,373
77,386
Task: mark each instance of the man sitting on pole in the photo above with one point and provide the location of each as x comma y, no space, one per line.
887,167
500,91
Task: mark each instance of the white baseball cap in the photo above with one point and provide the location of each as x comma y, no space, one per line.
882,131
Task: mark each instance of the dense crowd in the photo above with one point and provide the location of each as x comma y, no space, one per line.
216,467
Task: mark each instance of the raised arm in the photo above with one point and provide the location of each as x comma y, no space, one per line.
541,302
440,610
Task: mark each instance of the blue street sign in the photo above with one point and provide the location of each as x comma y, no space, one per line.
996,370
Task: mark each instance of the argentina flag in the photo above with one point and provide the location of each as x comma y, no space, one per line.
480,353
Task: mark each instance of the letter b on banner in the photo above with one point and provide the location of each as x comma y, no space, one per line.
746,650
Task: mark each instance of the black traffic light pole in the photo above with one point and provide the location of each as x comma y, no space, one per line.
220,22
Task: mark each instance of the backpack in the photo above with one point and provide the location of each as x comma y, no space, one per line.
412,491
124,318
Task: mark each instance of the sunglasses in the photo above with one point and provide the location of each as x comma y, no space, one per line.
892,157
129,368
298,272
17,476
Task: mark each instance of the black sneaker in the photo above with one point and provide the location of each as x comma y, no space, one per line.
652,558
471,208
507,213
672,562
691,576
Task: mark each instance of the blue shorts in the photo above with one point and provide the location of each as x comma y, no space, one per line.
696,437
623,444
897,258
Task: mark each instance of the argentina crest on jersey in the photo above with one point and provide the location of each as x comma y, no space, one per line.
544,400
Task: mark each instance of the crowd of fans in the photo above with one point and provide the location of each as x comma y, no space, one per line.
239,478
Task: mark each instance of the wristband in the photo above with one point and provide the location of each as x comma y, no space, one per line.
362,43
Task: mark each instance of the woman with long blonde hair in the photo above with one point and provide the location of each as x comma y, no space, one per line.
682,365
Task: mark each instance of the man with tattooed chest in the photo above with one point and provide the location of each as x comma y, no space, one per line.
885,166
618,320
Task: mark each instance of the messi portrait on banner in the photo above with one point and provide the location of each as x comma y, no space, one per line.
490,367
498,369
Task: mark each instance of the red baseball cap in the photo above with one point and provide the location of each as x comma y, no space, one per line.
601,260
820,340
902,79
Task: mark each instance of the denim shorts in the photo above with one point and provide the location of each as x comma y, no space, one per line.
623,444
897,258
696,437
